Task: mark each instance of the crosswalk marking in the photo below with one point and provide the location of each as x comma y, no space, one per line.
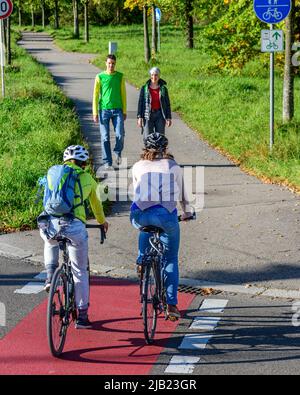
182,364
195,341
185,364
213,305
33,287
205,323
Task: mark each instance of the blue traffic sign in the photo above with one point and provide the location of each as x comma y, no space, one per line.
157,14
272,11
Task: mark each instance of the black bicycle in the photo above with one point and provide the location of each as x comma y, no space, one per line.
152,282
61,309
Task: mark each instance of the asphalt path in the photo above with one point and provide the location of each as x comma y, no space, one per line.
248,335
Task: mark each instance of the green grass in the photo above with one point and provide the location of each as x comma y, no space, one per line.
229,112
37,123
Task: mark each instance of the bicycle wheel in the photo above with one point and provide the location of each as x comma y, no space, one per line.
57,315
150,303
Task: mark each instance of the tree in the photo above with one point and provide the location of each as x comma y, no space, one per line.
86,21
189,24
142,5
76,19
291,28
146,35
182,11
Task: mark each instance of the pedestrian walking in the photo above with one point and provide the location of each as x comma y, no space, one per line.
109,104
154,109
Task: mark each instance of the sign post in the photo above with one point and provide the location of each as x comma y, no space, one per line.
6,8
271,12
158,18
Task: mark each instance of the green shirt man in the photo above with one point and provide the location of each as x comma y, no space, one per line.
109,103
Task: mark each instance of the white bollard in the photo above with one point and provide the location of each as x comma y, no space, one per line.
112,47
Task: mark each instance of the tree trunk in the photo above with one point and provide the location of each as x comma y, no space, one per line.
86,22
289,71
56,15
32,17
20,16
154,31
76,18
43,14
189,24
146,35
118,16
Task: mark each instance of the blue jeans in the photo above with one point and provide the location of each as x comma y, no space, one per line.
118,122
170,238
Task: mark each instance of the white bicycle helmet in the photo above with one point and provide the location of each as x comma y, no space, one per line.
76,152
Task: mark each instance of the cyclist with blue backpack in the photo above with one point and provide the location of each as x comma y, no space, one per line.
67,187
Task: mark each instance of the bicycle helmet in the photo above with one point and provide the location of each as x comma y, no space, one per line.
156,141
76,152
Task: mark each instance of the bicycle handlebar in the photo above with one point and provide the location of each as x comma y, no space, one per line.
102,232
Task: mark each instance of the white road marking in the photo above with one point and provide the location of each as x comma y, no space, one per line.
205,323
213,305
195,341
182,364
33,287
2,314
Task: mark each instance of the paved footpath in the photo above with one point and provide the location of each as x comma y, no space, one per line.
247,234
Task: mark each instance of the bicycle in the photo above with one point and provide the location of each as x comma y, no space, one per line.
152,282
272,13
61,310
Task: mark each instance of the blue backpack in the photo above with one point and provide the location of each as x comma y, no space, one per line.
59,192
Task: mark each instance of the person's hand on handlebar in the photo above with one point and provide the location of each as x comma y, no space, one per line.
105,226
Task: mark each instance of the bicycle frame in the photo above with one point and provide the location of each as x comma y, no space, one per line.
70,296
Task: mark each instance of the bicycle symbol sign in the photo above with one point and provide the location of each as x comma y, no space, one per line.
272,11
6,8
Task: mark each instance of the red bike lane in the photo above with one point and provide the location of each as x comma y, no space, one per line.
114,346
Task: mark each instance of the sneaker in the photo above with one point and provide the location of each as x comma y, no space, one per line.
83,323
107,167
47,285
172,312
118,160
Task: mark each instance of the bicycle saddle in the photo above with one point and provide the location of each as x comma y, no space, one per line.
151,229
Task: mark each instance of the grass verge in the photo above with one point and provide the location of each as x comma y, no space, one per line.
37,123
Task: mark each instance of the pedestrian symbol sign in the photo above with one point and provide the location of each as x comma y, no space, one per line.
272,11
272,41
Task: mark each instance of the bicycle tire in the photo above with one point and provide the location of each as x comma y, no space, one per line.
57,313
150,305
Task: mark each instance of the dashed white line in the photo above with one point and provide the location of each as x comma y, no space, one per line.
205,323
181,364
185,364
195,341
213,306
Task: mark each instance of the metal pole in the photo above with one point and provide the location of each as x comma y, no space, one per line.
272,95
2,57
